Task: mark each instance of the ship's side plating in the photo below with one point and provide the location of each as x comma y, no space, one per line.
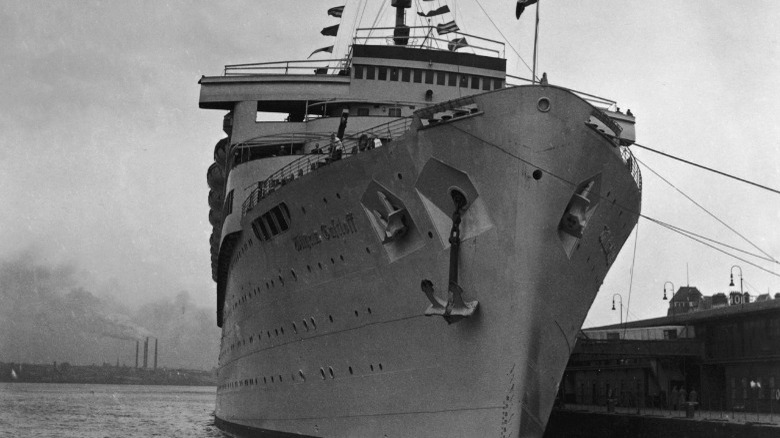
324,330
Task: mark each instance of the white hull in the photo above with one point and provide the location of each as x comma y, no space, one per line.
396,372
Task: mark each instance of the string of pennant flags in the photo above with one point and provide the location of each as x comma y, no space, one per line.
441,29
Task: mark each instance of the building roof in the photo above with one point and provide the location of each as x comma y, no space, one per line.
686,294
717,313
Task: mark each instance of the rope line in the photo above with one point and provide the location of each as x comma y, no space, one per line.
631,280
677,230
705,210
709,169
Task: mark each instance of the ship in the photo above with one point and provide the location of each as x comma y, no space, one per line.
412,248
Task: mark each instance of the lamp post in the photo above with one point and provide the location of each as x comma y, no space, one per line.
621,305
672,304
731,283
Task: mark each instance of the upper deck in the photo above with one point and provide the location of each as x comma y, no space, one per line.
418,73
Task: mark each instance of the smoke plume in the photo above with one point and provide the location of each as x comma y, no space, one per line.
47,315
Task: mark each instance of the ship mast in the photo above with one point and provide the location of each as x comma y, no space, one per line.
536,43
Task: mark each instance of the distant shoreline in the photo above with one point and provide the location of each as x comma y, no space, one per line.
103,374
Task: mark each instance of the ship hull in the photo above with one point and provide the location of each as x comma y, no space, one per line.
367,361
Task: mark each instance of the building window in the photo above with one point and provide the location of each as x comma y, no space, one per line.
670,334
382,75
370,72
440,78
475,82
497,84
429,76
464,81
486,83
452,79
362,112
358,71
394,74
417,75
394,112
406,75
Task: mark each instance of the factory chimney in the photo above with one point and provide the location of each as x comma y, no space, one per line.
155,353
136,353
146,353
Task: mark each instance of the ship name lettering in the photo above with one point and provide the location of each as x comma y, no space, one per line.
336,229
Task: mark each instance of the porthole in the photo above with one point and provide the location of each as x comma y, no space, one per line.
320,265
430,235
350,370
303,209
295,276
380,366
330,370
305,325
308,267
330,317
356,313
332,261
369,310
368,250
372,367
338,196
325,200
341,256
400,176
295,328
300,373
313,323
322,373
537,174
543,104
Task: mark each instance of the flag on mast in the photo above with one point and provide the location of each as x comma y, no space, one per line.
330,30
457,43
447,28
328,49
336,11
442,10
521,5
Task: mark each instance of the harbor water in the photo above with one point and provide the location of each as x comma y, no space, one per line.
92,411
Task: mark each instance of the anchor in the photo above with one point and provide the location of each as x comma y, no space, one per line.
455,308
393,222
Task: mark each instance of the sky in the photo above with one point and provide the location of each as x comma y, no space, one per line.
104,154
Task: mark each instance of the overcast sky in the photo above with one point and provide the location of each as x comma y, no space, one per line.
105,151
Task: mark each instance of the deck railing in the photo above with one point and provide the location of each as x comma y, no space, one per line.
427,37
633,166
311,162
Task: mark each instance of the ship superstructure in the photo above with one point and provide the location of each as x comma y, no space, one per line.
412,250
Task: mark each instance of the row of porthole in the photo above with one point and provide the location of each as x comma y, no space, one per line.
272,284
324,375
309,325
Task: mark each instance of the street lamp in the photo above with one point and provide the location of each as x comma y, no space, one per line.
731,283
669,283
621,305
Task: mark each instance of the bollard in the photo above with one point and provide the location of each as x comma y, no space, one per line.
689,409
